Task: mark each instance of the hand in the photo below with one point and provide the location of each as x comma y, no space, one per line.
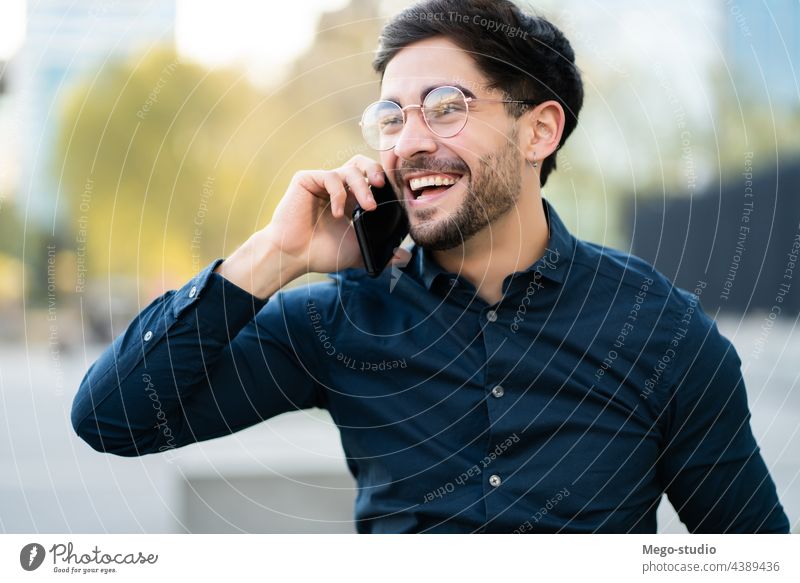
311,229
312,223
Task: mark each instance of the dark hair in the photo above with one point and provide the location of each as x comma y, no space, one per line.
523,55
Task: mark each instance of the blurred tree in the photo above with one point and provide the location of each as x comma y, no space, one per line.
166,165
152,150
10,252
334,80
10,229
751,122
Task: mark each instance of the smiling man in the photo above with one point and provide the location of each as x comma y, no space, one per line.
516,379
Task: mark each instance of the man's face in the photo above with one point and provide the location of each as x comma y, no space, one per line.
483,159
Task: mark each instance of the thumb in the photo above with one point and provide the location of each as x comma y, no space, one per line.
401,257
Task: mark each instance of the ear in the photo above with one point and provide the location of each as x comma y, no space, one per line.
544,125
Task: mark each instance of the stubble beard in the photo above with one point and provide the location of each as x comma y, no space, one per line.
490,195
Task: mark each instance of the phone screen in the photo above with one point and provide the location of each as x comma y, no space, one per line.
381,230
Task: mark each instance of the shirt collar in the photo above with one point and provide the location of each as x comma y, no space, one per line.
553,265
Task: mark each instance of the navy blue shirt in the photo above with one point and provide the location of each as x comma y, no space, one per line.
571,405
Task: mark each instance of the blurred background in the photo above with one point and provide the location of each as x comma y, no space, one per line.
141,140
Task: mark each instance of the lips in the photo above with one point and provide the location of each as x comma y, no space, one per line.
425,186
417,185
430,194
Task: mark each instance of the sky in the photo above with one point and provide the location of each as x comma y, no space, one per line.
12,26
235,32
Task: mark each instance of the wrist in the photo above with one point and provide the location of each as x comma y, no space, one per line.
260,267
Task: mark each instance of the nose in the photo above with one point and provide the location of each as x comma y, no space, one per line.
415,137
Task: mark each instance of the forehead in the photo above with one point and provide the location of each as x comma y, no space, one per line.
431,62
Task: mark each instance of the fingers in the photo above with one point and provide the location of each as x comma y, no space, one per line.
327,185
401,257
350,205
369,168
336,190
344,186
358,187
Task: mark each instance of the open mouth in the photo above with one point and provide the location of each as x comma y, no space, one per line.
424,188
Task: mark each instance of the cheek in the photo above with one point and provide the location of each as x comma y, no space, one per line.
388,160
469,154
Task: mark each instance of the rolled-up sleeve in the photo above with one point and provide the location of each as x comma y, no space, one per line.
197,363
711,465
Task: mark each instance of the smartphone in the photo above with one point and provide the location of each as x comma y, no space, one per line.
381,230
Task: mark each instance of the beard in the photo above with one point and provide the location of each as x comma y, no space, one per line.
490,195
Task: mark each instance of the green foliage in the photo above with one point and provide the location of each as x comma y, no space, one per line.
166,165
10,229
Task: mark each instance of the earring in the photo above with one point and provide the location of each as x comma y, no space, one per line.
535,163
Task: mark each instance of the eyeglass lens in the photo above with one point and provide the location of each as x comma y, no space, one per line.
444,110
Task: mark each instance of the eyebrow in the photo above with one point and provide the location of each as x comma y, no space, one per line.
429,88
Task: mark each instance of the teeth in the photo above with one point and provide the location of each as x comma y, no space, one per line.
434,180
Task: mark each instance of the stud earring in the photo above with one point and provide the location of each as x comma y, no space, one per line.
535,162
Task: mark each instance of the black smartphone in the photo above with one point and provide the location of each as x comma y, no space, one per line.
381,230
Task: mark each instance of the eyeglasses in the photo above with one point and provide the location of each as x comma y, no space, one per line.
445,111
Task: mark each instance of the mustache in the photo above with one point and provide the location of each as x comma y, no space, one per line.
430,164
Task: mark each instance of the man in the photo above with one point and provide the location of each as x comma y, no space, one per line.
512,379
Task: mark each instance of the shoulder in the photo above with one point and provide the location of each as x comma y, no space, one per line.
329,296
623,274
674,314
317,293
608,266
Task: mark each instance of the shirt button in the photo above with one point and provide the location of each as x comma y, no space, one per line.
494,480
491,316
193,291
498,391
148,335
453,281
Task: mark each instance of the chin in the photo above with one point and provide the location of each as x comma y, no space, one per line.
436,236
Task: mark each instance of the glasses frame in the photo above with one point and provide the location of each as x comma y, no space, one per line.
421,107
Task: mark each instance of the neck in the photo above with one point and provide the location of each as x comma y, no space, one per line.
512,243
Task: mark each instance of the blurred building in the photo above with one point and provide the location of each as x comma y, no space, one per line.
65,42
739,242
762,47
740,236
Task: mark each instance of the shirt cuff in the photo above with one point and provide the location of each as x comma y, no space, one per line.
220,306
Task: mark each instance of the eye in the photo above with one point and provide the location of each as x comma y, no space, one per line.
389,122
444,108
